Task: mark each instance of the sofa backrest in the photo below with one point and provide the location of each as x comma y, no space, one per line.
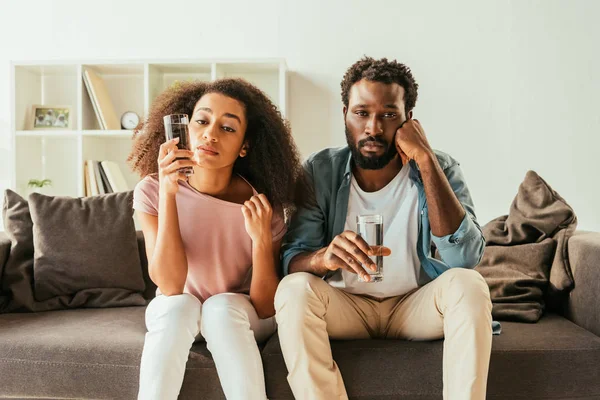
150,291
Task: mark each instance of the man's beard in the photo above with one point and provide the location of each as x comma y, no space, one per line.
371,162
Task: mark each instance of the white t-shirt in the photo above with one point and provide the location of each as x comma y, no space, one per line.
398,203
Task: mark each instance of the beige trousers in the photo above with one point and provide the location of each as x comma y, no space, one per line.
455,306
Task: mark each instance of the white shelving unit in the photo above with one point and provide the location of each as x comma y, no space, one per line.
59,155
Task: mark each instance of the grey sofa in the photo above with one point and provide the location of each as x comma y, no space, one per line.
95,353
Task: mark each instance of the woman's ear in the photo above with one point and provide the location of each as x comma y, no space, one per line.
244,150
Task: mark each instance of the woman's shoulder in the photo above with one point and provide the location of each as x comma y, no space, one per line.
148,182
145,195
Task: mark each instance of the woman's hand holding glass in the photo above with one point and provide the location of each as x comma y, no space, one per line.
170,161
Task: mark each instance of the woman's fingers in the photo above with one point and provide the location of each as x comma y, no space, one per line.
166,146
251,206
264,201
177,165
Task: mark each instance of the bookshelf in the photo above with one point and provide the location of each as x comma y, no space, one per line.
60,154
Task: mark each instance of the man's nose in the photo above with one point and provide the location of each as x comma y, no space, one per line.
374,126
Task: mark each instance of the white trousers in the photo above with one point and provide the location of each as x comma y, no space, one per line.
229,324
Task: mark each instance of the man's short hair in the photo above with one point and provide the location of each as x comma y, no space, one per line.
381,71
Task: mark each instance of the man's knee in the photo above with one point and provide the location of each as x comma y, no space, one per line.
295,288
468,285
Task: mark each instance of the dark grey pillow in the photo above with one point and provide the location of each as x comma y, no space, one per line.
86,249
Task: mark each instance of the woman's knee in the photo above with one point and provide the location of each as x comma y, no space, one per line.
224,310
178,311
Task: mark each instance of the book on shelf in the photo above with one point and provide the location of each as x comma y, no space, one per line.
103,106
102,177
105,181
86,179
101,189
115,176
91,176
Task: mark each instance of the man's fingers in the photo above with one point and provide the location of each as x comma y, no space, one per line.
357,240
358,254
381,251
349,263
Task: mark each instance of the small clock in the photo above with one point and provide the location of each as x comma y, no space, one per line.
129,120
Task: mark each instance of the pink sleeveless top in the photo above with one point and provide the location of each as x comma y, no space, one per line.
218,249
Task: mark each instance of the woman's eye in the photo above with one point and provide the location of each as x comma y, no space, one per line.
202,122
228,129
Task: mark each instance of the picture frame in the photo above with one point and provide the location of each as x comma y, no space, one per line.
51,117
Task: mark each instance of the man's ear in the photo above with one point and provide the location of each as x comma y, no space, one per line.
410,115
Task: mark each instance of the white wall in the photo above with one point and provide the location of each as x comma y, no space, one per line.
506,86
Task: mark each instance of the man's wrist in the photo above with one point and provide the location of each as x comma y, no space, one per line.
426,160
317,263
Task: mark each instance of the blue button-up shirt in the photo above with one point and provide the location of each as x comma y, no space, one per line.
330,171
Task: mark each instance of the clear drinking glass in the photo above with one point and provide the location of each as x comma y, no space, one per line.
370,228
176,125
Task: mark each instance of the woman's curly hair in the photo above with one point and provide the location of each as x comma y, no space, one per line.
272,164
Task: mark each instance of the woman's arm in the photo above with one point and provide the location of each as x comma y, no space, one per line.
258,216
265,258
167,262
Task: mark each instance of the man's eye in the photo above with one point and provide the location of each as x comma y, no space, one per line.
389,115
202,122
361,113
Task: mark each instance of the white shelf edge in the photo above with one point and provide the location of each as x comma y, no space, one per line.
123,133
47,132
66,133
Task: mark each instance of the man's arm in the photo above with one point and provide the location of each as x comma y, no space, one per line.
445,211
309,262
454,228
306,233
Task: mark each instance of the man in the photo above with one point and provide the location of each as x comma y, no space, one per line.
388,168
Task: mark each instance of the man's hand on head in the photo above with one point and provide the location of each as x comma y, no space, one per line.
411,142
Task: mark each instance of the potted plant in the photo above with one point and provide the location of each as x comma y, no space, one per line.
35,185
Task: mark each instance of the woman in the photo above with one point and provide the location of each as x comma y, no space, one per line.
212,240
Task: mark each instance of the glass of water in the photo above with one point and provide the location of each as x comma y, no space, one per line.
176,126
370,228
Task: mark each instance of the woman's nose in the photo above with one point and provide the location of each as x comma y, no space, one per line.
210,133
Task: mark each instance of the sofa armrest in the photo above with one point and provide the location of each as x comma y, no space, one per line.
583,306
4,251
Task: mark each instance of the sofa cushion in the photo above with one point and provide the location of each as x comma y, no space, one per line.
86,353
523,365
86,247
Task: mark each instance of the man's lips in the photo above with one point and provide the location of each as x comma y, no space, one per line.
208,150
372,146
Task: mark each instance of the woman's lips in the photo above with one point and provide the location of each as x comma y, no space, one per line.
211,151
